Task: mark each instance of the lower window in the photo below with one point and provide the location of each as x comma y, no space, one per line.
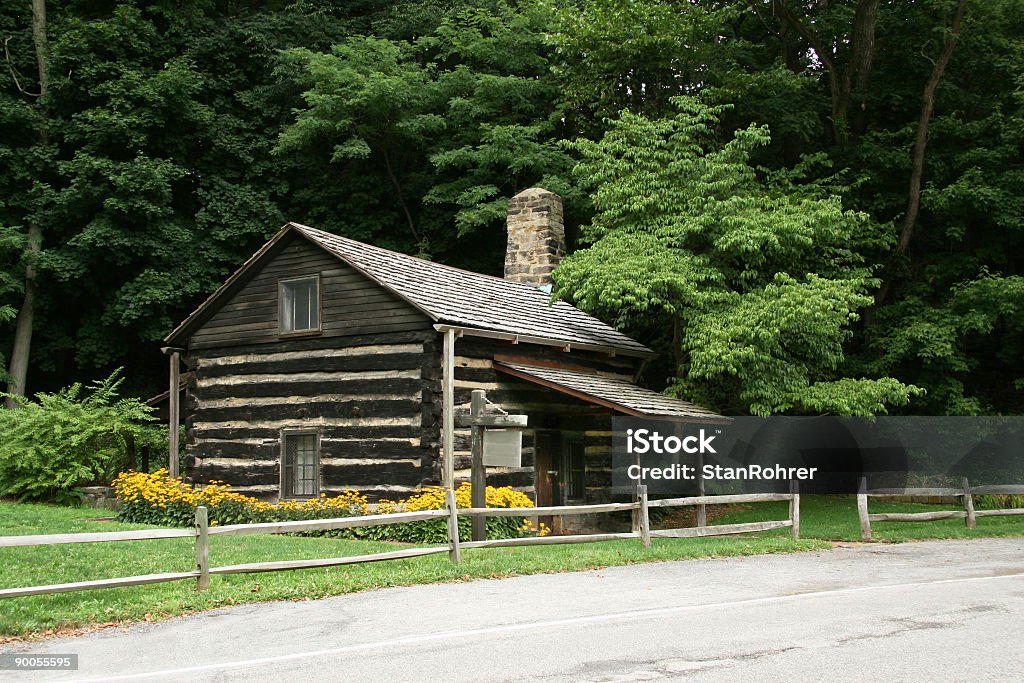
300,466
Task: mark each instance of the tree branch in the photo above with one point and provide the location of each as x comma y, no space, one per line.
14,72
805,33
835,87
401,199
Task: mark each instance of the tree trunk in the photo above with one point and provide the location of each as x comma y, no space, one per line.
26,314
40,42
862,56
846,84
920,145
18,369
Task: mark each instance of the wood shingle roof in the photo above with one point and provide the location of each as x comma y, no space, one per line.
445,294
460,297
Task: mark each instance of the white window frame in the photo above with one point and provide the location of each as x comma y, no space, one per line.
286,494
283,316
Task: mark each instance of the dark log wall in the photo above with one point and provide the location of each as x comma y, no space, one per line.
361,385
566,417
364,396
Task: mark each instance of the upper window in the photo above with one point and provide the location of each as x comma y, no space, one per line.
300,305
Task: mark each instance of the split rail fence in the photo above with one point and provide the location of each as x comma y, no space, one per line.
202,532
966,493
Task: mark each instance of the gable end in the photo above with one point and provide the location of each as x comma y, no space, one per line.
246,312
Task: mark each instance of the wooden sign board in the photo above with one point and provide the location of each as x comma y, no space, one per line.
503,447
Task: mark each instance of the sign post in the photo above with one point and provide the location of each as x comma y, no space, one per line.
496,452
479,473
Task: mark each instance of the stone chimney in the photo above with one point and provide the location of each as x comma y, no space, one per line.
536,237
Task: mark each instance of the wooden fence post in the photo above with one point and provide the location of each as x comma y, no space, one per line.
478,478
794,507
862,510
129,447
972,520
702,509
645,517
202,550
453,527
634,516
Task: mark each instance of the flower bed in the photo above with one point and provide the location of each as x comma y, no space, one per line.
157,499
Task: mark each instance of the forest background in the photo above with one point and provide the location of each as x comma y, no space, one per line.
806,206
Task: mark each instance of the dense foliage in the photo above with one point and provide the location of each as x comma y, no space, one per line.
758,279
157,499
75,437
860,233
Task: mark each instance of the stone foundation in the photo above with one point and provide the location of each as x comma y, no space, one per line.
100,497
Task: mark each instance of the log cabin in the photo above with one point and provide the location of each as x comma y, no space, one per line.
323,364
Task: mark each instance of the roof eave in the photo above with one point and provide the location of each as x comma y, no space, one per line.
545,341
182,330
618,407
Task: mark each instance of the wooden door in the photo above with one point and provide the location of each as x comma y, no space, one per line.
547,460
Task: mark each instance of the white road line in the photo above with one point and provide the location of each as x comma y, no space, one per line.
533,625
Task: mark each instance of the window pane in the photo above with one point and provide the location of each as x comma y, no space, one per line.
574,468
300,313
287,306
313,314
306,464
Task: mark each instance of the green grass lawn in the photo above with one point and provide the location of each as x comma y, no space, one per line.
823,519
834,518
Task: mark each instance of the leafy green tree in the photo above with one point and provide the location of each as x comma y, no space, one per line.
31,158
453,122
612,55
157,179
759,278
149,170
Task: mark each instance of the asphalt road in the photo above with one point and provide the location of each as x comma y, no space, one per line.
935,611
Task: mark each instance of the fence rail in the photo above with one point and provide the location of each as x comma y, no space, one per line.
101,583
105,537
966,493
721,529
325,524
256,567
202,531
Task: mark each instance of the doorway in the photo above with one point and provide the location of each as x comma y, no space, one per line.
547,460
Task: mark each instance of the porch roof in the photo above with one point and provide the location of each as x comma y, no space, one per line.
618,394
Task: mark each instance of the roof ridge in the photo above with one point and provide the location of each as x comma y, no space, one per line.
423,260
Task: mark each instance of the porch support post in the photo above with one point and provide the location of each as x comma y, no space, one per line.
174,414
448,408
